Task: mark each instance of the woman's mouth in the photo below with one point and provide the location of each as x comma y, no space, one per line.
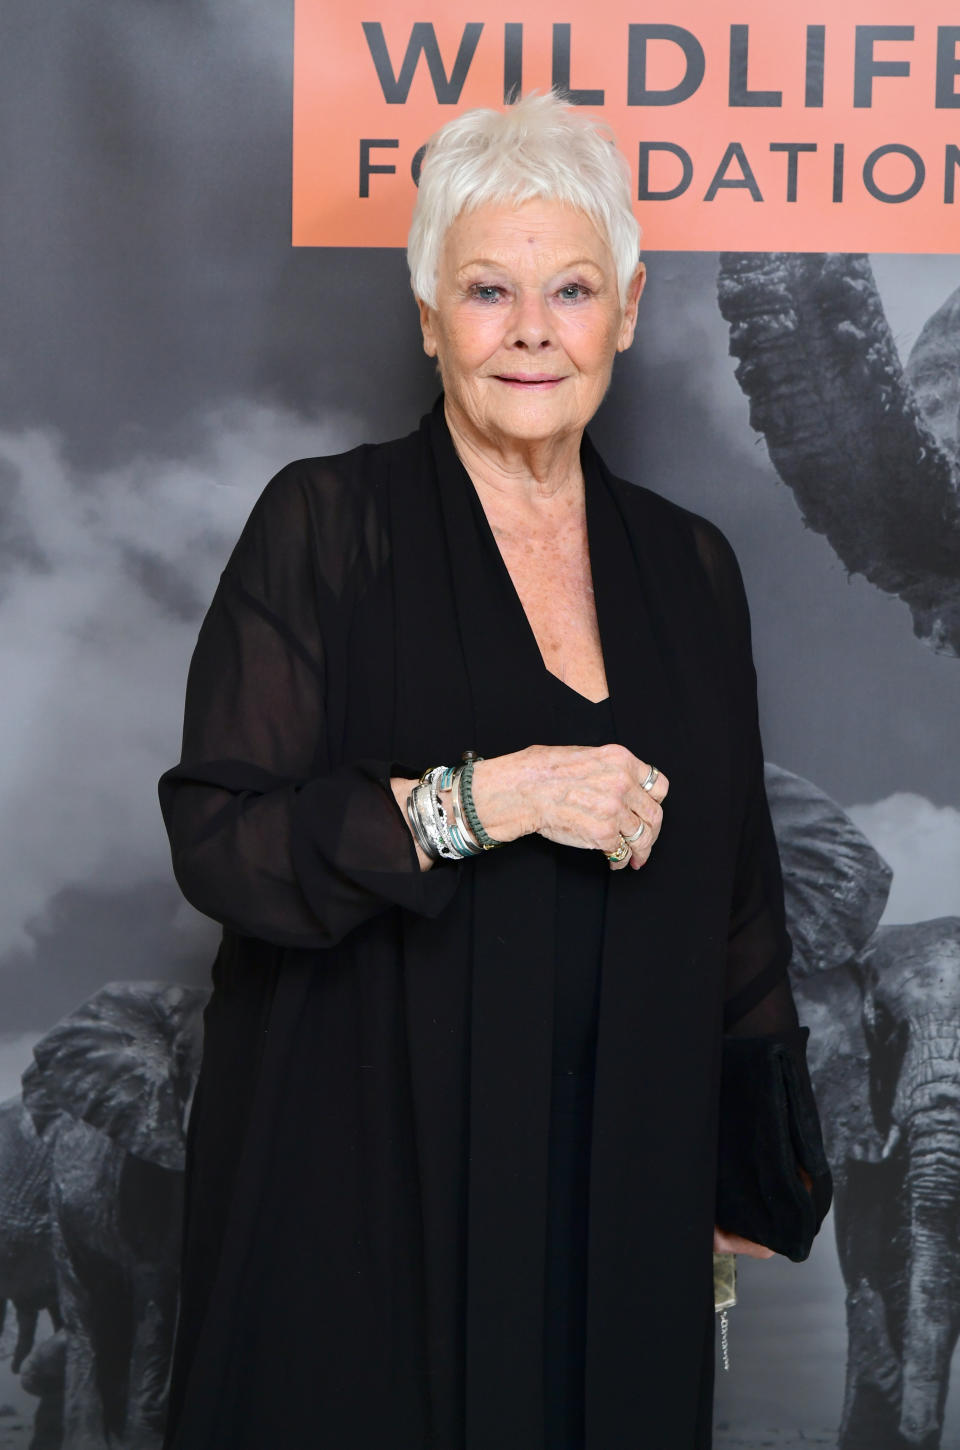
519,380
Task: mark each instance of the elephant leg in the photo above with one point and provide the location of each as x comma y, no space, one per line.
43,1376
865,1233
47,1428
26,1333
150,1212
871,1405
154,1318
84,1427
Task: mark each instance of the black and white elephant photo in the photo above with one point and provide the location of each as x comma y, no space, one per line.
883,1006
27,1271
91,1165
869,446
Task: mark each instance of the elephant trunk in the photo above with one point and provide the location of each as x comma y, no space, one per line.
819,364
933,1187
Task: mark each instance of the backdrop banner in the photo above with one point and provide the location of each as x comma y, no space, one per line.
750,128
204,212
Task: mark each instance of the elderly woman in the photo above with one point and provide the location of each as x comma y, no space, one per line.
472,778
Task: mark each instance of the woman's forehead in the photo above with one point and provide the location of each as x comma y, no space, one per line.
504,231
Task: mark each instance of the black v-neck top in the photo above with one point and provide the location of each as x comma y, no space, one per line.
582,877
581,896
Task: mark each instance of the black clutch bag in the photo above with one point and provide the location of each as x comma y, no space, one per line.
768,1125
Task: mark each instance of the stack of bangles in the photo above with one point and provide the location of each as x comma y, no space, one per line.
436,833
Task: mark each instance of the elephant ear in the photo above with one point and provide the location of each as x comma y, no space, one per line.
835,884
845,427
125,1062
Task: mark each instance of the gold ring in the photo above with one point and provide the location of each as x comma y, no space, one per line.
621,853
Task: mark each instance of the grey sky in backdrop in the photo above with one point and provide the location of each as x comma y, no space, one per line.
164,350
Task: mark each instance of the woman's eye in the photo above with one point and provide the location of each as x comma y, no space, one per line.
485,292
573,291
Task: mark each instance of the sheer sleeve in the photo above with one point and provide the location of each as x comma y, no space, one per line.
758,998
769,1126
266,837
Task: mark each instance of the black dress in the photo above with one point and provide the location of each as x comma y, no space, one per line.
369,1155
581,899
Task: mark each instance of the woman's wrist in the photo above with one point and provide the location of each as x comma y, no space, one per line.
503,794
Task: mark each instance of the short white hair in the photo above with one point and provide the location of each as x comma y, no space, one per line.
538,148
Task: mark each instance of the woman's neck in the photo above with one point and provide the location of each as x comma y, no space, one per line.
522,471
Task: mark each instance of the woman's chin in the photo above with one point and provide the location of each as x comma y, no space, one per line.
535,419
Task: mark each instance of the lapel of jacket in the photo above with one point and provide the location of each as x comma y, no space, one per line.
463,644
512,991
660,982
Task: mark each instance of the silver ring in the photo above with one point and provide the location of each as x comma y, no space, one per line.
651,779
637,833
622,851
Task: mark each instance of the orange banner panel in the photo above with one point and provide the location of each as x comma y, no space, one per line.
757,128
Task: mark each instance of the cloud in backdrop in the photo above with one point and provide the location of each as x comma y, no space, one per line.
103,588
921,843
15,1054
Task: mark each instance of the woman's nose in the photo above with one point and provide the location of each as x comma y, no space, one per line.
530,325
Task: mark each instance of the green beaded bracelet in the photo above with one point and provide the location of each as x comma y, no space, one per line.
470,758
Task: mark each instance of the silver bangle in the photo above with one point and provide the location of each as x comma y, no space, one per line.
422,808
425,815
413,815
423,805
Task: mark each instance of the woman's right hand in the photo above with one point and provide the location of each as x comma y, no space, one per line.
576,795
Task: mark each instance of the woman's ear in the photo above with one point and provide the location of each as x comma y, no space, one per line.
634,292
427,328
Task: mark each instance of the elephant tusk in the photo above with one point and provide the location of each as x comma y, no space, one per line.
893,1138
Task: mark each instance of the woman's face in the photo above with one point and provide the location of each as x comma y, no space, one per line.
528,320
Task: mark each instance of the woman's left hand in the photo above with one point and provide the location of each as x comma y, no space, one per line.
724,1243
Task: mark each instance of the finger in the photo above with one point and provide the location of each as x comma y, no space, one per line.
617,865
636,818
639,852
648,818
612,843
641,807
658,788
639,848
727,1243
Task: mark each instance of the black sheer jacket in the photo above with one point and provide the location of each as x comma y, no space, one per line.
367,1165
